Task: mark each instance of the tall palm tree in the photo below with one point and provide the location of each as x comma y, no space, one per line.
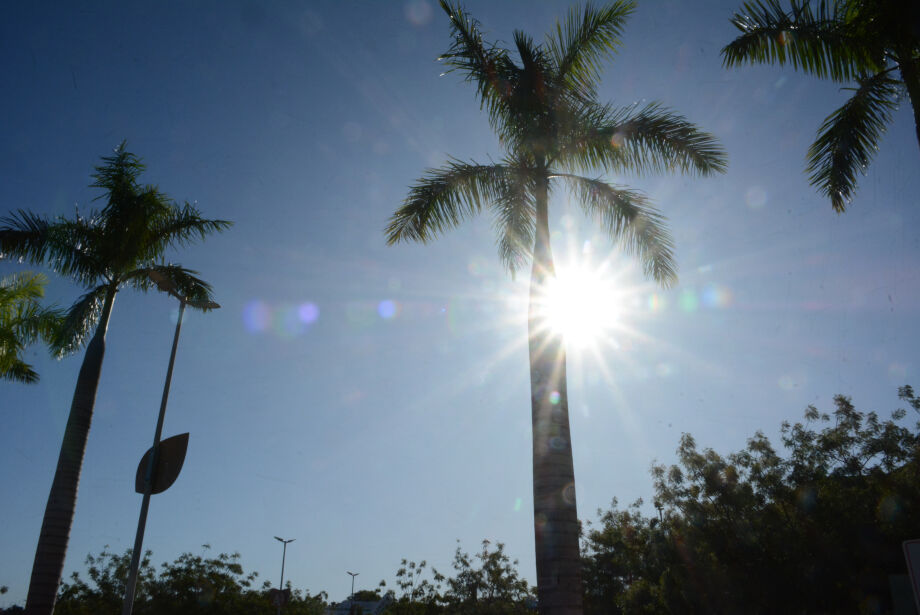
116,246
543,106
23,321
874,43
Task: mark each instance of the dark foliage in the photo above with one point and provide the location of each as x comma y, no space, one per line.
815,529
486,583
190,585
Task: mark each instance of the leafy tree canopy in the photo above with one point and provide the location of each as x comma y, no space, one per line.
815,528
486,583
190,585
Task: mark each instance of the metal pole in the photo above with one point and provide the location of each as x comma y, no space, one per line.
283,556
281,585
131,584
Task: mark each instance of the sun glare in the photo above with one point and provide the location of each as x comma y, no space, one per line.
582,305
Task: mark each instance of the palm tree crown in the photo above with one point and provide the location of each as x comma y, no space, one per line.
541,100
874,43
545,112
111,247
119,245
22,322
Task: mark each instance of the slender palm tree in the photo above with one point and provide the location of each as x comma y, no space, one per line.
116,246
874,43
544,108
23,321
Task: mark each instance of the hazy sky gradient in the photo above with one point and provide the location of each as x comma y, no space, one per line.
371,401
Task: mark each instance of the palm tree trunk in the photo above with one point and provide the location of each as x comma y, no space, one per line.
559,587
62,500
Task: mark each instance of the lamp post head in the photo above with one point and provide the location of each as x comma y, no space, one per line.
204,305
166,285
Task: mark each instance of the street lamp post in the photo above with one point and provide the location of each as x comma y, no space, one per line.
283,556
131,585
353,575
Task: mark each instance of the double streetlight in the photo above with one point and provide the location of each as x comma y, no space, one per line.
152,482
281,596
283,555
353,575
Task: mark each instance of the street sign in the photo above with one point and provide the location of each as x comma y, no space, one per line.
279,597
169,464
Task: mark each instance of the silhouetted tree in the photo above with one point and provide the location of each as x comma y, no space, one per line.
116,246
544,108
190,585
817,529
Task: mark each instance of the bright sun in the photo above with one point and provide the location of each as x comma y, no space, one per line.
583,306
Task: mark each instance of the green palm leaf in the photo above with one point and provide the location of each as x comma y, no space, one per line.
818,39
23,321
628,218
584,39
118,175
487,67
515,218
24,236
79,322
181,227
444,198
67,246
651,139
848,138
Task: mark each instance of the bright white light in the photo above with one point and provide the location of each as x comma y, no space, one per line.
583,306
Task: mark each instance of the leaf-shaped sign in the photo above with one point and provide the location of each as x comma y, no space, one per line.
169,464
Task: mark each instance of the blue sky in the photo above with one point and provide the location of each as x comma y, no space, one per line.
371,401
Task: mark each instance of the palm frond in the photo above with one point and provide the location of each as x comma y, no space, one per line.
651,139
180,227
848,138
515,219
25,287
186,282
586,38
13,368
79,322
23,321
628,218
64,245
118,174
444,198
76,249
20,310
487,67
818,39
24,236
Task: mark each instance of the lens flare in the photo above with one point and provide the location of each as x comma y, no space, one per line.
286,321
387,309
257,316
308,312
